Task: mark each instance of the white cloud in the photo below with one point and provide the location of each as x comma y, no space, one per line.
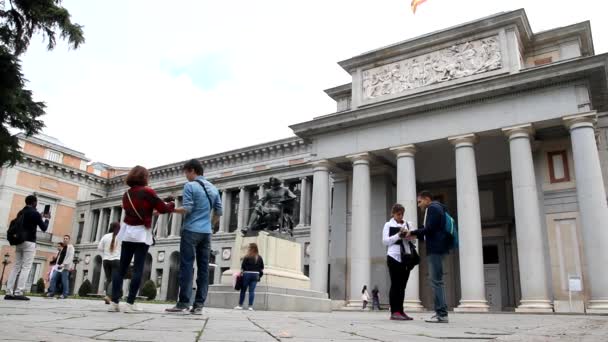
121,100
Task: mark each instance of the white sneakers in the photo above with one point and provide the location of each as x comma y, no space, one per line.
238,307
250,308
128,308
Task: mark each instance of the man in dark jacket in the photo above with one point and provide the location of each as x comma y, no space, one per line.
437,246
25,251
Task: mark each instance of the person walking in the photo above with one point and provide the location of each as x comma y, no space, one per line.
252,269
398,249
375,298
26,224
65,264
139,203
437,246
110,247
202,207
364,297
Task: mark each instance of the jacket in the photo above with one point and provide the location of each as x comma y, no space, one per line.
433,230
31,221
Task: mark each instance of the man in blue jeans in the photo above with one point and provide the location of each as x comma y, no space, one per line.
202,207
437,246
65,263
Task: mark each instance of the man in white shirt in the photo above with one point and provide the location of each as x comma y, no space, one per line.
65,264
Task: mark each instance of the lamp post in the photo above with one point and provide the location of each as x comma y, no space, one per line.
5,262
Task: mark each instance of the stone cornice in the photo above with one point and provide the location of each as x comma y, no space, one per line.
62,149
517,18
339,92
449,96
581,30
73,174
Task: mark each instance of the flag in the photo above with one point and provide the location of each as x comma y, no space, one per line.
415,4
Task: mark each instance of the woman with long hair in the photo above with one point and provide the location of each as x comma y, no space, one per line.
364,296
139,204
252,269
110,247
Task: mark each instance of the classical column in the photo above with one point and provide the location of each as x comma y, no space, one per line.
360,262
319,228
242,210
96,226
223,217
112,212
406,195
303,201
227,211
528,224
174,225
88,226
178,220
469,220
591,196
103,224
161,225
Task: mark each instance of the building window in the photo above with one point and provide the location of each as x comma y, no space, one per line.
53,156
543,61
558,167
97,172
83,165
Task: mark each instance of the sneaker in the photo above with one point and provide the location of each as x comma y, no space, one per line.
114,307
438,319
20,297
397,316
62,297
107,300
407,318
196,311
250,308
238,307
9,297
177,309
132,308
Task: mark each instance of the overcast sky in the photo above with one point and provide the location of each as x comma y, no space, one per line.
160,82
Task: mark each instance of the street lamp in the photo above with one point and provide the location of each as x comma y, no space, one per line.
5,262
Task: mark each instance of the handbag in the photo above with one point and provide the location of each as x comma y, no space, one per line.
412,259
238,284
137,213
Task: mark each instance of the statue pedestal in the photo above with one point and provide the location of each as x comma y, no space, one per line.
282,288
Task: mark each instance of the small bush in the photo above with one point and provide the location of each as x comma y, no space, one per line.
85,288
149,290
40,286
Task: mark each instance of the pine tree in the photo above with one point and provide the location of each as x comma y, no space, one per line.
19,21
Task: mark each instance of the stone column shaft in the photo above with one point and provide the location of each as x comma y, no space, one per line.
360,260
96,226
303,201
227,211
531,254
112,214
406,195
469,221
319,229
242,210
591,196
88,226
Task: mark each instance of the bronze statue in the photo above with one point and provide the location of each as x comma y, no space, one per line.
273,211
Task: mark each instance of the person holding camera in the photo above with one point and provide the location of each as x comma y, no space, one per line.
398,251
139,204
64,265
22,234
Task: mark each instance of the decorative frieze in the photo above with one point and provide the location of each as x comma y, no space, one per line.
455,62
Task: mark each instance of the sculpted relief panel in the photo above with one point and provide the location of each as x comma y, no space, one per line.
452,63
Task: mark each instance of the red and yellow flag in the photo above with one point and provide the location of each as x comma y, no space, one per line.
415,4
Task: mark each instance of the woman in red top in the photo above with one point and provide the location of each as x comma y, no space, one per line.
139,204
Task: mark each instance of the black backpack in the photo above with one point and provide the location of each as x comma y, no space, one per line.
16,232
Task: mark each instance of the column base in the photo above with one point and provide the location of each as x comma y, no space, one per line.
472,306
413,306
535,306
598,307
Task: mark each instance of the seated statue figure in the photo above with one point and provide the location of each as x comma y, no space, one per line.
273,211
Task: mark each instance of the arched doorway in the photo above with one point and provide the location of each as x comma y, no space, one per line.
173,287
97,263
147,271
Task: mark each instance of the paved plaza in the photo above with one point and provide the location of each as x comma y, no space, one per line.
84,320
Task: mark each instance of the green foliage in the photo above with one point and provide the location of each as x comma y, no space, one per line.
19,21
85,288
149,290
40,286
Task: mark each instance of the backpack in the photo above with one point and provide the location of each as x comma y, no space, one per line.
451,229
16,233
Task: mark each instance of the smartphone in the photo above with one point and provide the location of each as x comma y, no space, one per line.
47,209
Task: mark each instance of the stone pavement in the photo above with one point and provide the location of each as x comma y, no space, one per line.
85,320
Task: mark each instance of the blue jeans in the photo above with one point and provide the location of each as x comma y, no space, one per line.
436,278
250,280
193,246
129,251
65,282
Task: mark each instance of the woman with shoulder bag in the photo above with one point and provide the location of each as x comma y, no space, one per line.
401,258
252,270
139,204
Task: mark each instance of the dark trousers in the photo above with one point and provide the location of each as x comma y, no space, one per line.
110,267
399,274
250,281
129,250
193,246
64,278
435,262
